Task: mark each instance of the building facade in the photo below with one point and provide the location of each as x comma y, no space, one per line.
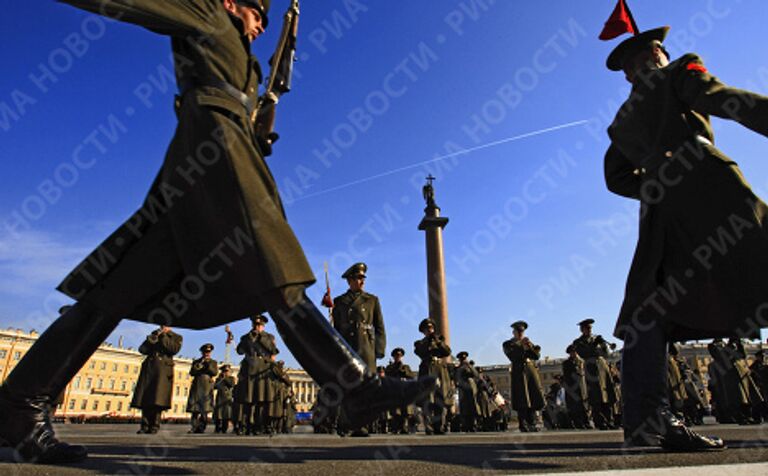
103,388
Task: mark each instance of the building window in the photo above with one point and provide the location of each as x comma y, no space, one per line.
119,406
95,405
92,365
17,355
111,384
122,385
175,409
88,383
135,369
101,383
114,367
126,368
108,405
3,353
83,404
72,404
103,366
186,392
178,390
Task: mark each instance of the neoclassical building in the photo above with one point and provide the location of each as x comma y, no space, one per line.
104,386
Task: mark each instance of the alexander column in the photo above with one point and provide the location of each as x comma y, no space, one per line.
433,225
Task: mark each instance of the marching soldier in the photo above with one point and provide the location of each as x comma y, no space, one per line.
400,370
200,400
154,387
527,392
575,384
432,350
254,380
467,385
662,153
594,350
745,383
214,188
281,385
225,385
358,319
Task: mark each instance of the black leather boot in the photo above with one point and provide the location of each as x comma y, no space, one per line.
25,425
343,376
46,369
678,437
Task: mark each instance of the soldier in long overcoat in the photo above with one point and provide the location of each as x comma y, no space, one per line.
209,245
466,377
750,394
400,370
662,153
281,386
759,372
154,386
200,399
223,411
575,384
255,389
527,392
675,383
432,350
594,350
358,318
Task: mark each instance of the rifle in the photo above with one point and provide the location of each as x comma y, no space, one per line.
279,79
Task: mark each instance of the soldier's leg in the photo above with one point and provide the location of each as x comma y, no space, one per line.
326,356
46,369
145,423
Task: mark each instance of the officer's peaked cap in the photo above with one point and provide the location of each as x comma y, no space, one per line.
629,47
462,355
261,5
519,325
357,269
206,347
260,318
423,324
397,350
586,322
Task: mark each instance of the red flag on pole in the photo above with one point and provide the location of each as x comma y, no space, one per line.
619,22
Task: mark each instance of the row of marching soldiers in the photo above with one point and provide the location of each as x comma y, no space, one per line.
258,401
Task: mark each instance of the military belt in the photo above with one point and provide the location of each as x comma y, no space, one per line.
248,104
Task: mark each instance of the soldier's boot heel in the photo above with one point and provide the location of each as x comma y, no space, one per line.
343,376
25,425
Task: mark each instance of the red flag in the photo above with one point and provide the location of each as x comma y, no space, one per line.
327,299
619,22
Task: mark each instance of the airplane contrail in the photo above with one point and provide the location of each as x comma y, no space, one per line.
443,157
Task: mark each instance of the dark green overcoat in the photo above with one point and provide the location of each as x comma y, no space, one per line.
594,350
466,384
701,259
255,376
154,386
432,350
575,385
211,238
224,398
200,398
527,392
358,318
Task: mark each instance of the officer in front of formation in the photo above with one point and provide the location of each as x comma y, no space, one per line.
594,350
402,371
200,400
527,392
155,384
432,350
357,317
253,391
467,384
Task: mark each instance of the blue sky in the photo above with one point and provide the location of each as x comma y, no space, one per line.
380,86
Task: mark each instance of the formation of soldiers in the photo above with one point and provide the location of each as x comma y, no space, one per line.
258,401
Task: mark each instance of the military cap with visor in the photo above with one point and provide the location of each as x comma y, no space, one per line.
206,348
519,325
225,368
357,269
586,322
462,355
262,6
397,350
424,323
631,46
259,319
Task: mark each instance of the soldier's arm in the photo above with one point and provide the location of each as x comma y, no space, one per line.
421,350
507,347
242,346
620,176
212,368
704,93
380,335
167,17
146,347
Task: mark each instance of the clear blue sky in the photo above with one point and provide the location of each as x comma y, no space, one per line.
533,234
